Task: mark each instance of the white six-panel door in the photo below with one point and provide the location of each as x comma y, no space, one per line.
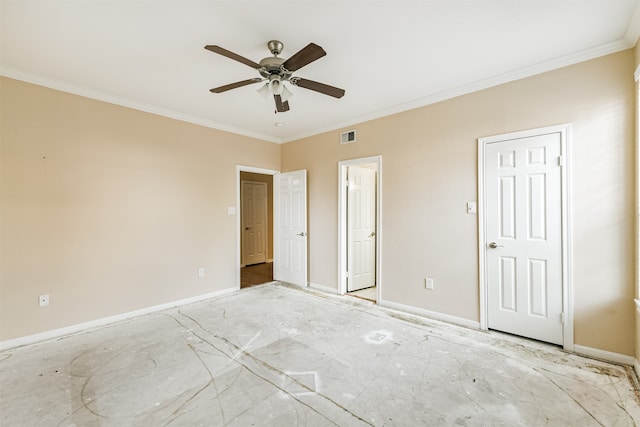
523,236
361,221
290,227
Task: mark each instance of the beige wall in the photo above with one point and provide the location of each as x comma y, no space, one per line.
110,210
268,179
637,91
429,172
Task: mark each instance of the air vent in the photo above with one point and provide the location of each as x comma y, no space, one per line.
347,137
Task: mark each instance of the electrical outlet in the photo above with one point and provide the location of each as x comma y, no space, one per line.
201,272
43,300
428,283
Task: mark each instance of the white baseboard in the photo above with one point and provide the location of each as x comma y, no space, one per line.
605,355
323,288
432,314
80,327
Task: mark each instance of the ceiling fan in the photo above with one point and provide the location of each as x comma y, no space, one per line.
275,71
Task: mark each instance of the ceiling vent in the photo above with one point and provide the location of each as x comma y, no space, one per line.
348,137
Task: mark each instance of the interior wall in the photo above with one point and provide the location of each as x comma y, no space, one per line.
637,216
268,179
429,172
109,210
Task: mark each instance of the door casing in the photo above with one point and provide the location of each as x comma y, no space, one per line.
567,285
342,222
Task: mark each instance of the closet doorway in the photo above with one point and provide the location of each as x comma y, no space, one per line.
359,227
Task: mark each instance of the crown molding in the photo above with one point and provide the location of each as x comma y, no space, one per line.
633,30
543,67
128,103
586,55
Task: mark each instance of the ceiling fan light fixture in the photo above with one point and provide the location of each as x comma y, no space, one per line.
275,84
264,90
286,93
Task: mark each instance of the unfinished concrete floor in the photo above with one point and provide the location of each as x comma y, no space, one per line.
276,356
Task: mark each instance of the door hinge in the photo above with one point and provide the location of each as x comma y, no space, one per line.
563,318
560,161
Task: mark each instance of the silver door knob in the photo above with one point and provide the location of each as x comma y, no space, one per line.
494,245
300,234
373,233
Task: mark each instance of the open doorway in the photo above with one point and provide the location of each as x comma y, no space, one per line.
359,240
255,224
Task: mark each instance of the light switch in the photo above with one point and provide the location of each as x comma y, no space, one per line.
471,207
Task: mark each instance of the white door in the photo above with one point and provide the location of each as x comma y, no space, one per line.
361,220
523,235
254,222
290,227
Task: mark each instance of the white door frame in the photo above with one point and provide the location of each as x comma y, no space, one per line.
567,239
342,223
240,168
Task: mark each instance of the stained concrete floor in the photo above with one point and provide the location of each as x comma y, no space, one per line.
276,356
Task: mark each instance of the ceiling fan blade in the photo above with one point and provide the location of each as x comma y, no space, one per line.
224,52
281,107
234,85
305,56
318,87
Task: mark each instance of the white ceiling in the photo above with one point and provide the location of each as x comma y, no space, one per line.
389,56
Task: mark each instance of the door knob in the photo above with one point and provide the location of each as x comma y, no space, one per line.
373,233
300,234
494,245
247,228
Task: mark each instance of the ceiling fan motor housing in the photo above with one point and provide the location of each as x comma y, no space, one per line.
270,66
